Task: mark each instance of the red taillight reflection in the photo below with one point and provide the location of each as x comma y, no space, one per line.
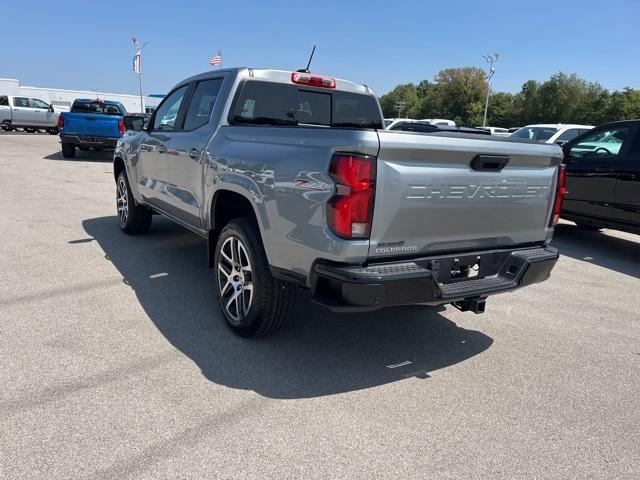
121,128
351,209
561,191
60,122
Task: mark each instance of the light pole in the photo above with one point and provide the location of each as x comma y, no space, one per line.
400,106
491,60
137,66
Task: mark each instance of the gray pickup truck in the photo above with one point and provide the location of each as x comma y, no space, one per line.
294,182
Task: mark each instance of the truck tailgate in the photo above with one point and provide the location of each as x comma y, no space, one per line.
94,125
439,193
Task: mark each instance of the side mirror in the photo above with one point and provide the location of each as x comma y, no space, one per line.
561,142
51,108
134,122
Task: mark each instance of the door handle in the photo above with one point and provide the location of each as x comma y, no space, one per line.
16,109
194,153
162,149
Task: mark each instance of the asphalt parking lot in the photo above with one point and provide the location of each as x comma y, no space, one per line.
117,364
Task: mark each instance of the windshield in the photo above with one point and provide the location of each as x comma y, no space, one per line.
536,134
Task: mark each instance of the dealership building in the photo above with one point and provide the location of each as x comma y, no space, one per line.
62,99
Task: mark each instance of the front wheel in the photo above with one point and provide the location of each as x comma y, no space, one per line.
252,302
134,219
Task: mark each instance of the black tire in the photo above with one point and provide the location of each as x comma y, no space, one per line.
68,150
133,219
591,228
270,300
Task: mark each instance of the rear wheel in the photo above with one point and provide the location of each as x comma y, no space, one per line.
68,150
134,219
252,302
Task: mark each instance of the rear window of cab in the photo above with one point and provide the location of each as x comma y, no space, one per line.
268,103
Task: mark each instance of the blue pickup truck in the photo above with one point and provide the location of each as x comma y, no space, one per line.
91,124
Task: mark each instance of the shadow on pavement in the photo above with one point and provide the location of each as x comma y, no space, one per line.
315,354
84,156
595,247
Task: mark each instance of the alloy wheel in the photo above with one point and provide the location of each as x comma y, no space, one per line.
122,200
235,278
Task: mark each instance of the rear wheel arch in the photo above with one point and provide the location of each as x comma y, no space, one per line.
227,205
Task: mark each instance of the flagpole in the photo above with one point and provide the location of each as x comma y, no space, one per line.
140,82
139,48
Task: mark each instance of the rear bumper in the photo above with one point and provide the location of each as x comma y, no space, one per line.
429,280
89,141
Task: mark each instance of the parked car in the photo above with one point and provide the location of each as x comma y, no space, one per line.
548,133
28,113
389,122
499,131
603,177
91,124
426,127
439,121
294,183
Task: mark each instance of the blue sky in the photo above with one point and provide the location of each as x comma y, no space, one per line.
87,44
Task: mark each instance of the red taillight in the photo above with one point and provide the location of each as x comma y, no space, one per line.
350,211
313,80
121,128
561,191
60,122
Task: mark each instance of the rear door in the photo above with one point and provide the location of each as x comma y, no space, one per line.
437,193
23,113
593,162
626,207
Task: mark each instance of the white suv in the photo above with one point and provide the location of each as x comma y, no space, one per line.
551,133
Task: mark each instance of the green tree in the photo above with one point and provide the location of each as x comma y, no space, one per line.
406,94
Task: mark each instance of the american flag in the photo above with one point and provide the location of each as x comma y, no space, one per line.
216,59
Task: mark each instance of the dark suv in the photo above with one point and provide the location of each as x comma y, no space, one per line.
603,177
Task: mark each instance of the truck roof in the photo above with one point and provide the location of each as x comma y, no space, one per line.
279,76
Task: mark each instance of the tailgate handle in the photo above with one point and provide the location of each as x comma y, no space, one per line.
491,163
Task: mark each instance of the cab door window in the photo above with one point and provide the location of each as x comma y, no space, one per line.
166,117
35,103
604,144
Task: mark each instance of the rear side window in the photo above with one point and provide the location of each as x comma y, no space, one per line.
202,102
21,102
4,101
266,103
95,107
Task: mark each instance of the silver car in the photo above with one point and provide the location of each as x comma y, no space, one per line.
28,113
